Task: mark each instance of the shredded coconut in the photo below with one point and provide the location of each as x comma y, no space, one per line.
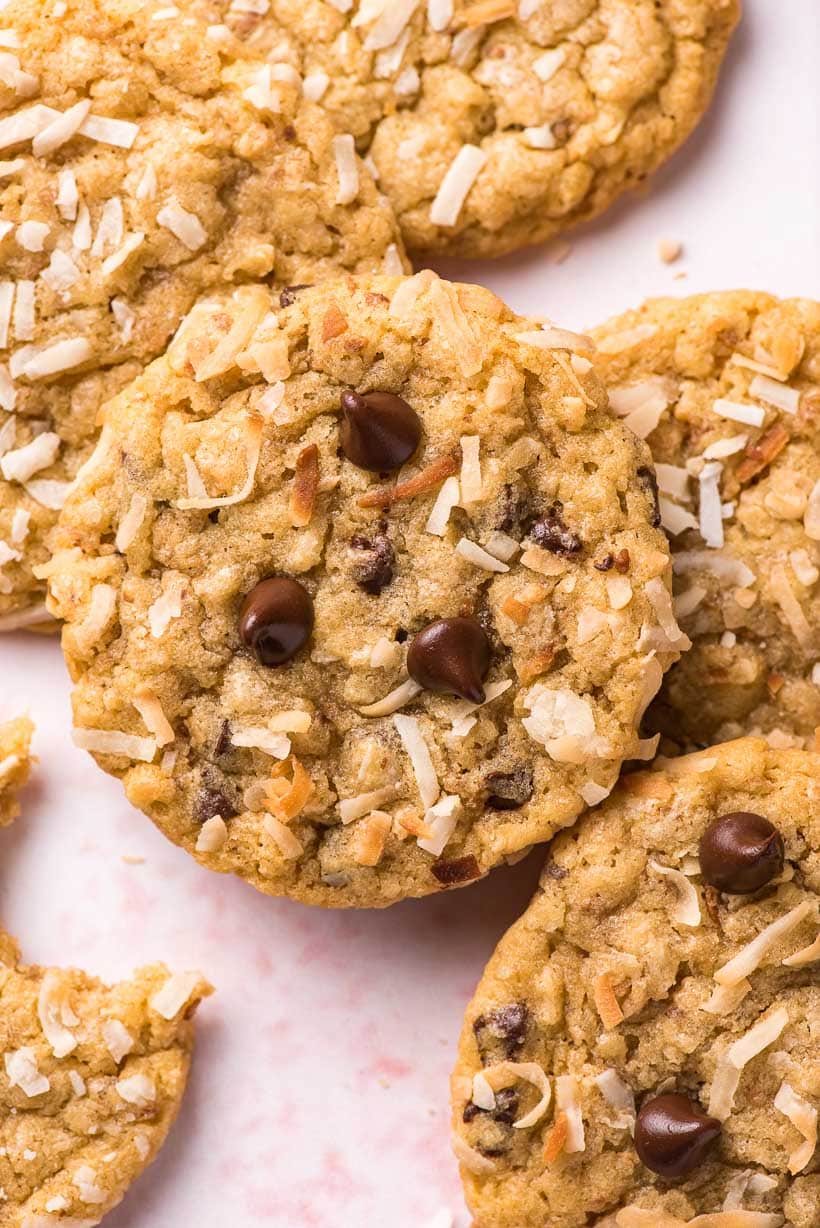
687,909
803,1117
138,1090
456,184
22,1071
113,742
183,225
347,168
174,994
410,733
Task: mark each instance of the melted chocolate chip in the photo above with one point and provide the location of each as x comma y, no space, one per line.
375,569
288,296
276,620
505,1111
458,870
551,533
673,1135
509,790
741,852
451,657
379,431
649,483
515,511
606,563
212,797
504,1028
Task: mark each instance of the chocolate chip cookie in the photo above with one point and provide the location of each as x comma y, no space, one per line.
143,163
497,123
91,1082
15,765
725,388
642,1050
363,589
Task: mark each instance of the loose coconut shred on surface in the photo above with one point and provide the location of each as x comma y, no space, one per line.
284,773
714,1008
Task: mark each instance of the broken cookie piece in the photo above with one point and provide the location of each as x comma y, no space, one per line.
15,765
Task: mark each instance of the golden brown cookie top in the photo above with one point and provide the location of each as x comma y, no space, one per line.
363,589
643,1046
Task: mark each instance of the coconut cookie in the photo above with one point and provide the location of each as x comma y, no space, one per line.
15,765
726,390
143,163
363,588
91,1082
643,1050
494,124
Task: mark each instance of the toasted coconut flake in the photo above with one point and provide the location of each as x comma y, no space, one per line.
463,708
661,600
711,513
725,447
441,821
183,225
315,85
749,415
130,524
34,616
673,480
370,837
23,463
811,518
139,1090
395,700
146,702
456,185
470,480
501,546
687,909
113,742
606,1003
447,498
777,394
479,557
275,744
808,955
563,722
791,607
176,993
254,306
483,1094
471,1159
752,955
687,602
428,478
759,455
55,1015
305,486
287,800
725,999
803,1117
551,338
167,606
347,168
48,492
451,320
213,835
254,427
619,1096
593,793
505,1074
727,569
22,1071
439,14
738,1055
117,1039
352,808
97,619
118,132
390,25
556,1139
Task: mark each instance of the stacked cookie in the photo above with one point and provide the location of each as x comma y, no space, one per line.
368,585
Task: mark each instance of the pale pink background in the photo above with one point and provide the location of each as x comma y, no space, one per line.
319,1093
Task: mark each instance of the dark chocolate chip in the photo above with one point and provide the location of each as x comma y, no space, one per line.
515,511
458,870
741,852
276,620
451,657
288,296
673,1135
374,570
649,483
223,741
505,1111
509,790
505,1027
551,533
213,796
379,431
606,563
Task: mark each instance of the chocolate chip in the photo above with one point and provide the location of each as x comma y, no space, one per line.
276,620
649,483
288,296
551,533
673,1135
212,797
504,1028
458,870
505,1111
379,431
375,569
606,563
223,741
451,656
515,512
741,852
509,790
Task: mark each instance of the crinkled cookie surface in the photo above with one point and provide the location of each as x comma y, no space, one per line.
640,974
525,513
15,765
91,1082
143,163
493,124
726,390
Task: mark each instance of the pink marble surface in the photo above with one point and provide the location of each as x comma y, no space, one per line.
319,1092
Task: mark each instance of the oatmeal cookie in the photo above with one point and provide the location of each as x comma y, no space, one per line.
143,164
642,1050
363,590
15,765
494,124
726,390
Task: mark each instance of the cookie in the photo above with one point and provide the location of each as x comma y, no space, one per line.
726,390
15,765
364,628
91,1082
642,1050
494,124
143,164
